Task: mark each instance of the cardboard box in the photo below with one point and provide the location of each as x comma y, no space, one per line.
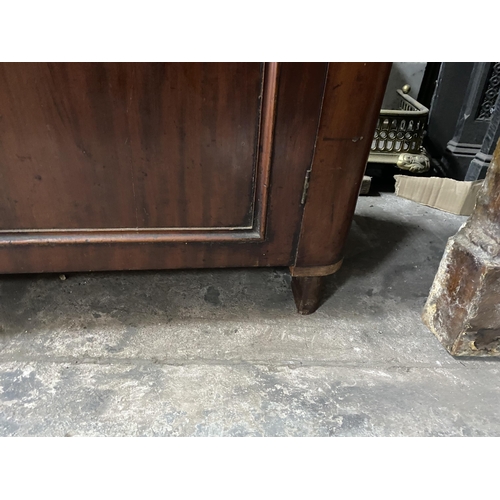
449,195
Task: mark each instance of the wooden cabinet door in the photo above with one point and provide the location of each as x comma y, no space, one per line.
153,165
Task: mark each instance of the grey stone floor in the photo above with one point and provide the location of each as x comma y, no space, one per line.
223,352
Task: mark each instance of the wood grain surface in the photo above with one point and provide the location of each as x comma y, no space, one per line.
112,145
351,105
190,184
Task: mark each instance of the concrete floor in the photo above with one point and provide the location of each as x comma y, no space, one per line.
223,352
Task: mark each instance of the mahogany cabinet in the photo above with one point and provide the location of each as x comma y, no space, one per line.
121,166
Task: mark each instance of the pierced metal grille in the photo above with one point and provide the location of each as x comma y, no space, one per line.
400,131
491,93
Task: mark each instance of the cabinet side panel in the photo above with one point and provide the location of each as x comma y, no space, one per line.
353,96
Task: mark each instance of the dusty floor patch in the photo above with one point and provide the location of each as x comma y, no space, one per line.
223,352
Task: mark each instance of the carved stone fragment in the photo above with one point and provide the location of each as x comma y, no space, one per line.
463,307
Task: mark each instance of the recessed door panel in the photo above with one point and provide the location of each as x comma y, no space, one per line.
130,146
